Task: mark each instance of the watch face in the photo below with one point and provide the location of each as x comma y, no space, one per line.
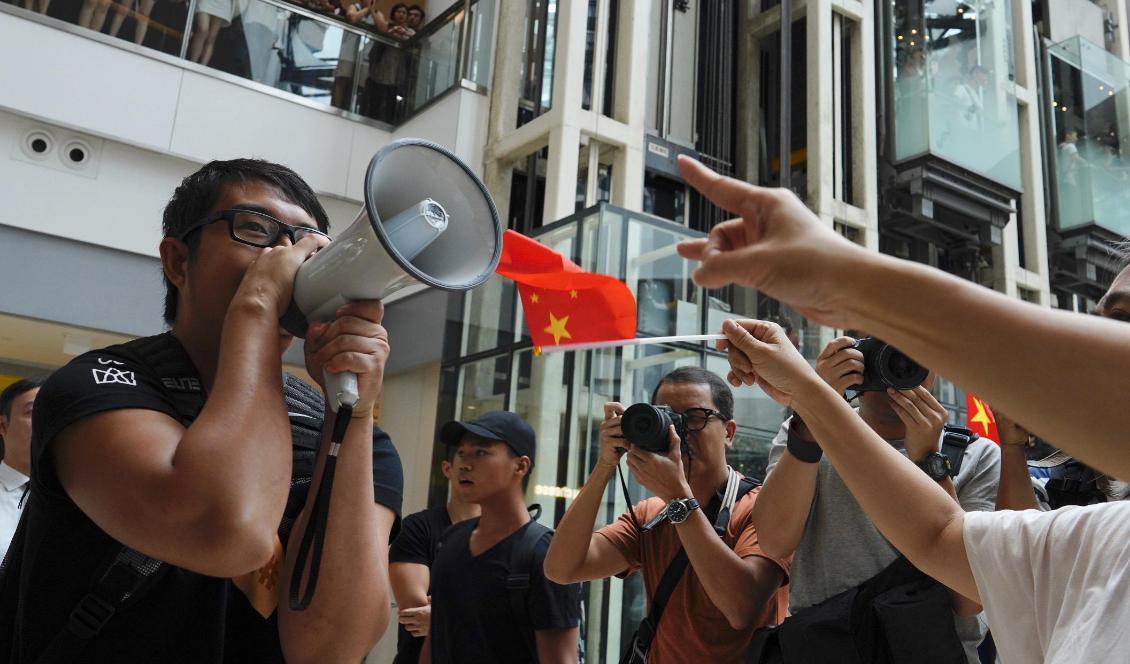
677,511
938,468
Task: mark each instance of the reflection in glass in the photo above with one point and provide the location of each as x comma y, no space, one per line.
304,48
953,91
666,298
1089,94
483,386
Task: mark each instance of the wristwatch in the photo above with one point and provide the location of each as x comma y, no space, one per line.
936,465
679,510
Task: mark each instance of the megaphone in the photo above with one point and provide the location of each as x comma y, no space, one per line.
427,221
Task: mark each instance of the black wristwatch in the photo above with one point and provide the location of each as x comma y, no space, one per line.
678,510
936,465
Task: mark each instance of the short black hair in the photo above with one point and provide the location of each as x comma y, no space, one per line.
720,392
198,193
13,391
417,8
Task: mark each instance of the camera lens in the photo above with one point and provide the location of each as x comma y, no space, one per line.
899,371
645,426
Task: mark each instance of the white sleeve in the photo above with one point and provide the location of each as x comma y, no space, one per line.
1053,583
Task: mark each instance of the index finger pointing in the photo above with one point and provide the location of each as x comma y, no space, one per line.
727,193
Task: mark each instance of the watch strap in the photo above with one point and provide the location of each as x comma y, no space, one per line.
803,450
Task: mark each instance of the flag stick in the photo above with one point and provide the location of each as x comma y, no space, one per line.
631,342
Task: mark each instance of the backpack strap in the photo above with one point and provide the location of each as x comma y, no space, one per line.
129,574
522,558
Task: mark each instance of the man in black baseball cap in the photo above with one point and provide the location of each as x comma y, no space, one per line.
476,615
498,425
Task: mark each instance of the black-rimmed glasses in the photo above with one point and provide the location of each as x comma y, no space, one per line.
254,228
698,418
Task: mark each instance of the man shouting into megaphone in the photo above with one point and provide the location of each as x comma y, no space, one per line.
169,485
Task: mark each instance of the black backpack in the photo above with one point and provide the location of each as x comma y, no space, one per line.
898,616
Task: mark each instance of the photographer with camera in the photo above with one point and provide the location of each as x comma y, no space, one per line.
805,509
707,580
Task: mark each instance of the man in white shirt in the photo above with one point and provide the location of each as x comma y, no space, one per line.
1053,584
16,402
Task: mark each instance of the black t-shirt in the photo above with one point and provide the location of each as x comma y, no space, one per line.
184,616
416,543
472,618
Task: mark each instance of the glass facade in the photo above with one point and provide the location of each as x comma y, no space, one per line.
317,50
1090,92
953,93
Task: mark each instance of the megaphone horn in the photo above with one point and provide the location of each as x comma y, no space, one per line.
427,220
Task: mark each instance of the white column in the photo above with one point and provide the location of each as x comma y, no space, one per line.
820,138
561,172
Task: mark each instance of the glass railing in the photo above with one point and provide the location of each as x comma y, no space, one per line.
953,92
1090,96
337,53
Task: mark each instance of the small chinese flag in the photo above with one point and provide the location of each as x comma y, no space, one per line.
563,303
980,418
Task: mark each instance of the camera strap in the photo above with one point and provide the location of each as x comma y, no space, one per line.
954,441
736,488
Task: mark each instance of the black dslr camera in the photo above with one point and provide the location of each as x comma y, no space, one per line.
645,425
885,366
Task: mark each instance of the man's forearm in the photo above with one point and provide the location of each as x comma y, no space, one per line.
969,334
781,510
730,582
909,509
1014,492
570,544
236,454
350,608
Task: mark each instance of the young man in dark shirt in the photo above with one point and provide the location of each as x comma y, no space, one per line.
217,491
472,615
410,560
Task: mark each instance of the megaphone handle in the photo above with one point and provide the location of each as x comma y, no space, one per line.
341,390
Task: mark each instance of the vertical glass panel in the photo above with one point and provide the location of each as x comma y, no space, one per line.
489,316
537,61
483,386
433,58
603,246
1091,115
666,298
480,38
770,104
541,390
953,90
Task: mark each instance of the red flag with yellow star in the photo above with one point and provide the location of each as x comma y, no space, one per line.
980,418
564,304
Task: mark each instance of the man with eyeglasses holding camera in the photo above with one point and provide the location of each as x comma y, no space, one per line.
728,586
172,475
